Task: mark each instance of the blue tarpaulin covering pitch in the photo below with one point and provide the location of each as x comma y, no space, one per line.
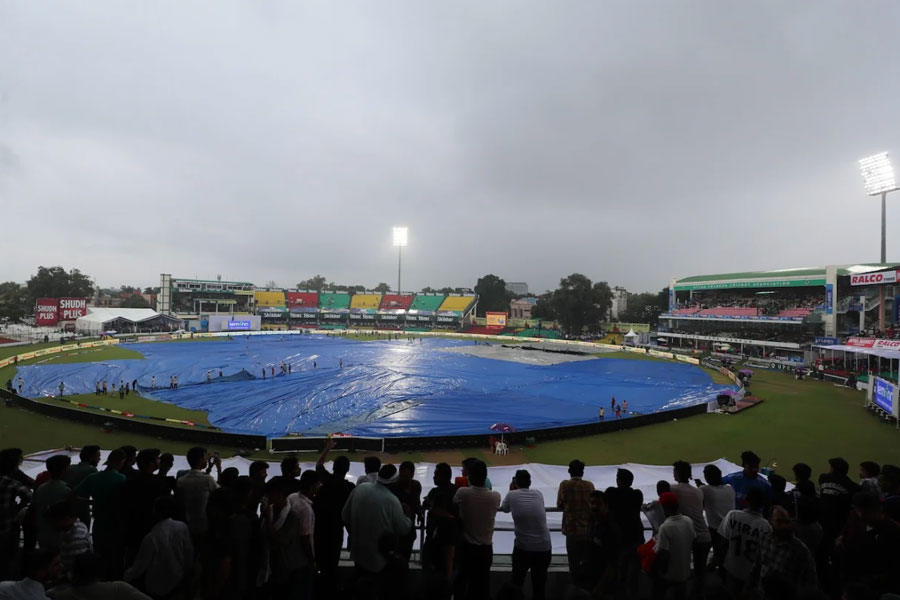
384,388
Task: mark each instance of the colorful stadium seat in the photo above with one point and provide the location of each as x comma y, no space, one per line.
456,303
334,300
429,303
365,301
396,301
269,298
302,299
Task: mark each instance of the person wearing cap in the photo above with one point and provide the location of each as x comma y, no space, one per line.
749,477
477,507
673,549
102,490
372,515
531,548
870,546
742,532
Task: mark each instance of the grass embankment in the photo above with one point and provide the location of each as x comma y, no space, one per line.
23,429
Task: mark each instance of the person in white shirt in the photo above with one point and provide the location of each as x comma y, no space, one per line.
193,490
674,547
743,532
477,509
653,510
371,515
41,567
690,504
301,504
718,501
372,465
531,549
165,555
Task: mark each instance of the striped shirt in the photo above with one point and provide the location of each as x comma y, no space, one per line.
73,542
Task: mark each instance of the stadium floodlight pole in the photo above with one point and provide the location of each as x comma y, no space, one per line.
879,177
400,240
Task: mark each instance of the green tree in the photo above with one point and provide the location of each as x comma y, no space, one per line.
543,308
492,295
56,282
645,307
382,288
13,301
428,290
135,301
316,283
579,303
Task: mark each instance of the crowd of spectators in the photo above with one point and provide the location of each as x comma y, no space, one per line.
130,528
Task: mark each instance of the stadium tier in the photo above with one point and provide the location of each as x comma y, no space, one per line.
268,298
396,301
334,300
302,299
372,301
456,303
426,302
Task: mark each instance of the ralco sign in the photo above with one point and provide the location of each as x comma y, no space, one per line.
874,278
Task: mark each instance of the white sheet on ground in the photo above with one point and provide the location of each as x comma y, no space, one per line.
545,478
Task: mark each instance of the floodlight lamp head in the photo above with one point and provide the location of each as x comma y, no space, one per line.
400,236
878,174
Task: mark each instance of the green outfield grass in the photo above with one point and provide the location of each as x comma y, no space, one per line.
798,421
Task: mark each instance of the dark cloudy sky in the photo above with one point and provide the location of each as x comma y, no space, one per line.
630,141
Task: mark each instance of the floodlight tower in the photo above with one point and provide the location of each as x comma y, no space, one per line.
400,240
879,177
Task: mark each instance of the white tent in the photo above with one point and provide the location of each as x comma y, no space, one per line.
102,319
631,335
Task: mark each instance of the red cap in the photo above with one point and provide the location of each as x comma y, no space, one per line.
668,498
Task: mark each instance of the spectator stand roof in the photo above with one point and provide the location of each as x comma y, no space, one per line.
799,277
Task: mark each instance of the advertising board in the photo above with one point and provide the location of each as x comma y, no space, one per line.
884,395
495,319
242,325
46,311
874,343
874,278
72,308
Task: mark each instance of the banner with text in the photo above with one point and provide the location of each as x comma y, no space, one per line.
874,278
46,311
72,308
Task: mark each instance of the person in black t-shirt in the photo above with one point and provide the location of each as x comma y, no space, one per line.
290,473
441,527
836,490
624,504
327,505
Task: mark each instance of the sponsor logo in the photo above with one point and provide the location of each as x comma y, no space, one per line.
874,278
238,325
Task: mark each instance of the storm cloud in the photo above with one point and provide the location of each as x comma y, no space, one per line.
630,141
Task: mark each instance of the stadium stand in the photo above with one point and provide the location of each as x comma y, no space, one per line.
422,302
365,301
334,300
396,301
302,299
269,298
457,303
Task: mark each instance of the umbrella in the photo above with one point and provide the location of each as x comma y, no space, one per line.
502,428
746,371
